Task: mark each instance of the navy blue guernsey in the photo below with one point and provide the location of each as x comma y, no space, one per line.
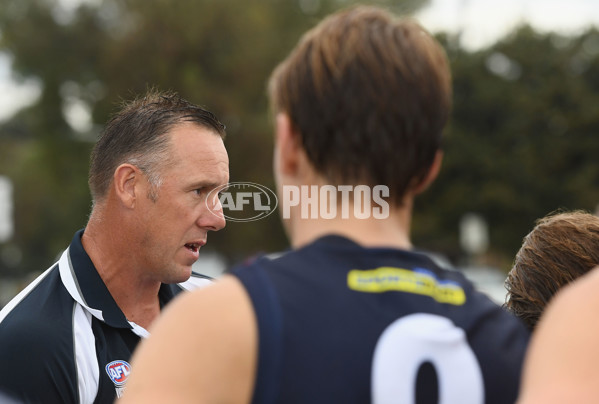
63,339
340,323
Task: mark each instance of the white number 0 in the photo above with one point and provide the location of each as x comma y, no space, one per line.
417,338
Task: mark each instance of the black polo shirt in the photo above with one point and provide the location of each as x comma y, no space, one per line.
63,339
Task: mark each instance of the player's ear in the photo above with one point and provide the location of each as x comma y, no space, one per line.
287,146
432,173
126,181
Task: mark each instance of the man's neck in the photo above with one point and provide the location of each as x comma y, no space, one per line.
110,253
392,231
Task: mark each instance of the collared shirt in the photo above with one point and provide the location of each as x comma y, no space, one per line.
64,339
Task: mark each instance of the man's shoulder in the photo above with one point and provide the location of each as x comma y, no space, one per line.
38,314
45,292
32,335
36,346
39,361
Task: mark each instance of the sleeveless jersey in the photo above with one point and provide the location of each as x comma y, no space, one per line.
340,323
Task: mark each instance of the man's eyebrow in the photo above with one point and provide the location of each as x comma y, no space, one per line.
207,184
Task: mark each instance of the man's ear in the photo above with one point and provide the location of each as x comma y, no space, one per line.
126,179
432,174
287,146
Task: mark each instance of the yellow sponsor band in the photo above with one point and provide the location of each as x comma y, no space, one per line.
386,279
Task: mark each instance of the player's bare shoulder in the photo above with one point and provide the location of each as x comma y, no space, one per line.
561,362
214,325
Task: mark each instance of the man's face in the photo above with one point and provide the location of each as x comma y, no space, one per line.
175,225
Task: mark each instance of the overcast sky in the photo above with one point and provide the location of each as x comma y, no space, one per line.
484,21
481,22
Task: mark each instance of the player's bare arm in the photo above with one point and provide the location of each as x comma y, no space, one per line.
215,327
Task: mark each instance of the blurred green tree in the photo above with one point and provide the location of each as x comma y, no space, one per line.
522,141
90,56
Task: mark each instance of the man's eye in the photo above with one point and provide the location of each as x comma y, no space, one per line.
199,191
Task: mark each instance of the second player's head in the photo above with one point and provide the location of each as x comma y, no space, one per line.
561,248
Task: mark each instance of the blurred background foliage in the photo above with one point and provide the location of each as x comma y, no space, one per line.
520,143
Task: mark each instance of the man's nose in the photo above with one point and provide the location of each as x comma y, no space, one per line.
213,217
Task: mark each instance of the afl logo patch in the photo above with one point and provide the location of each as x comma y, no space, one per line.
118,372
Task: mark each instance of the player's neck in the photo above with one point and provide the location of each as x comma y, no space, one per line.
391,231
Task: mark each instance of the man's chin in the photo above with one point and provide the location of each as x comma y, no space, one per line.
181,275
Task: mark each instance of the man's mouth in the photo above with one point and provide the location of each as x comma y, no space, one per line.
193,247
